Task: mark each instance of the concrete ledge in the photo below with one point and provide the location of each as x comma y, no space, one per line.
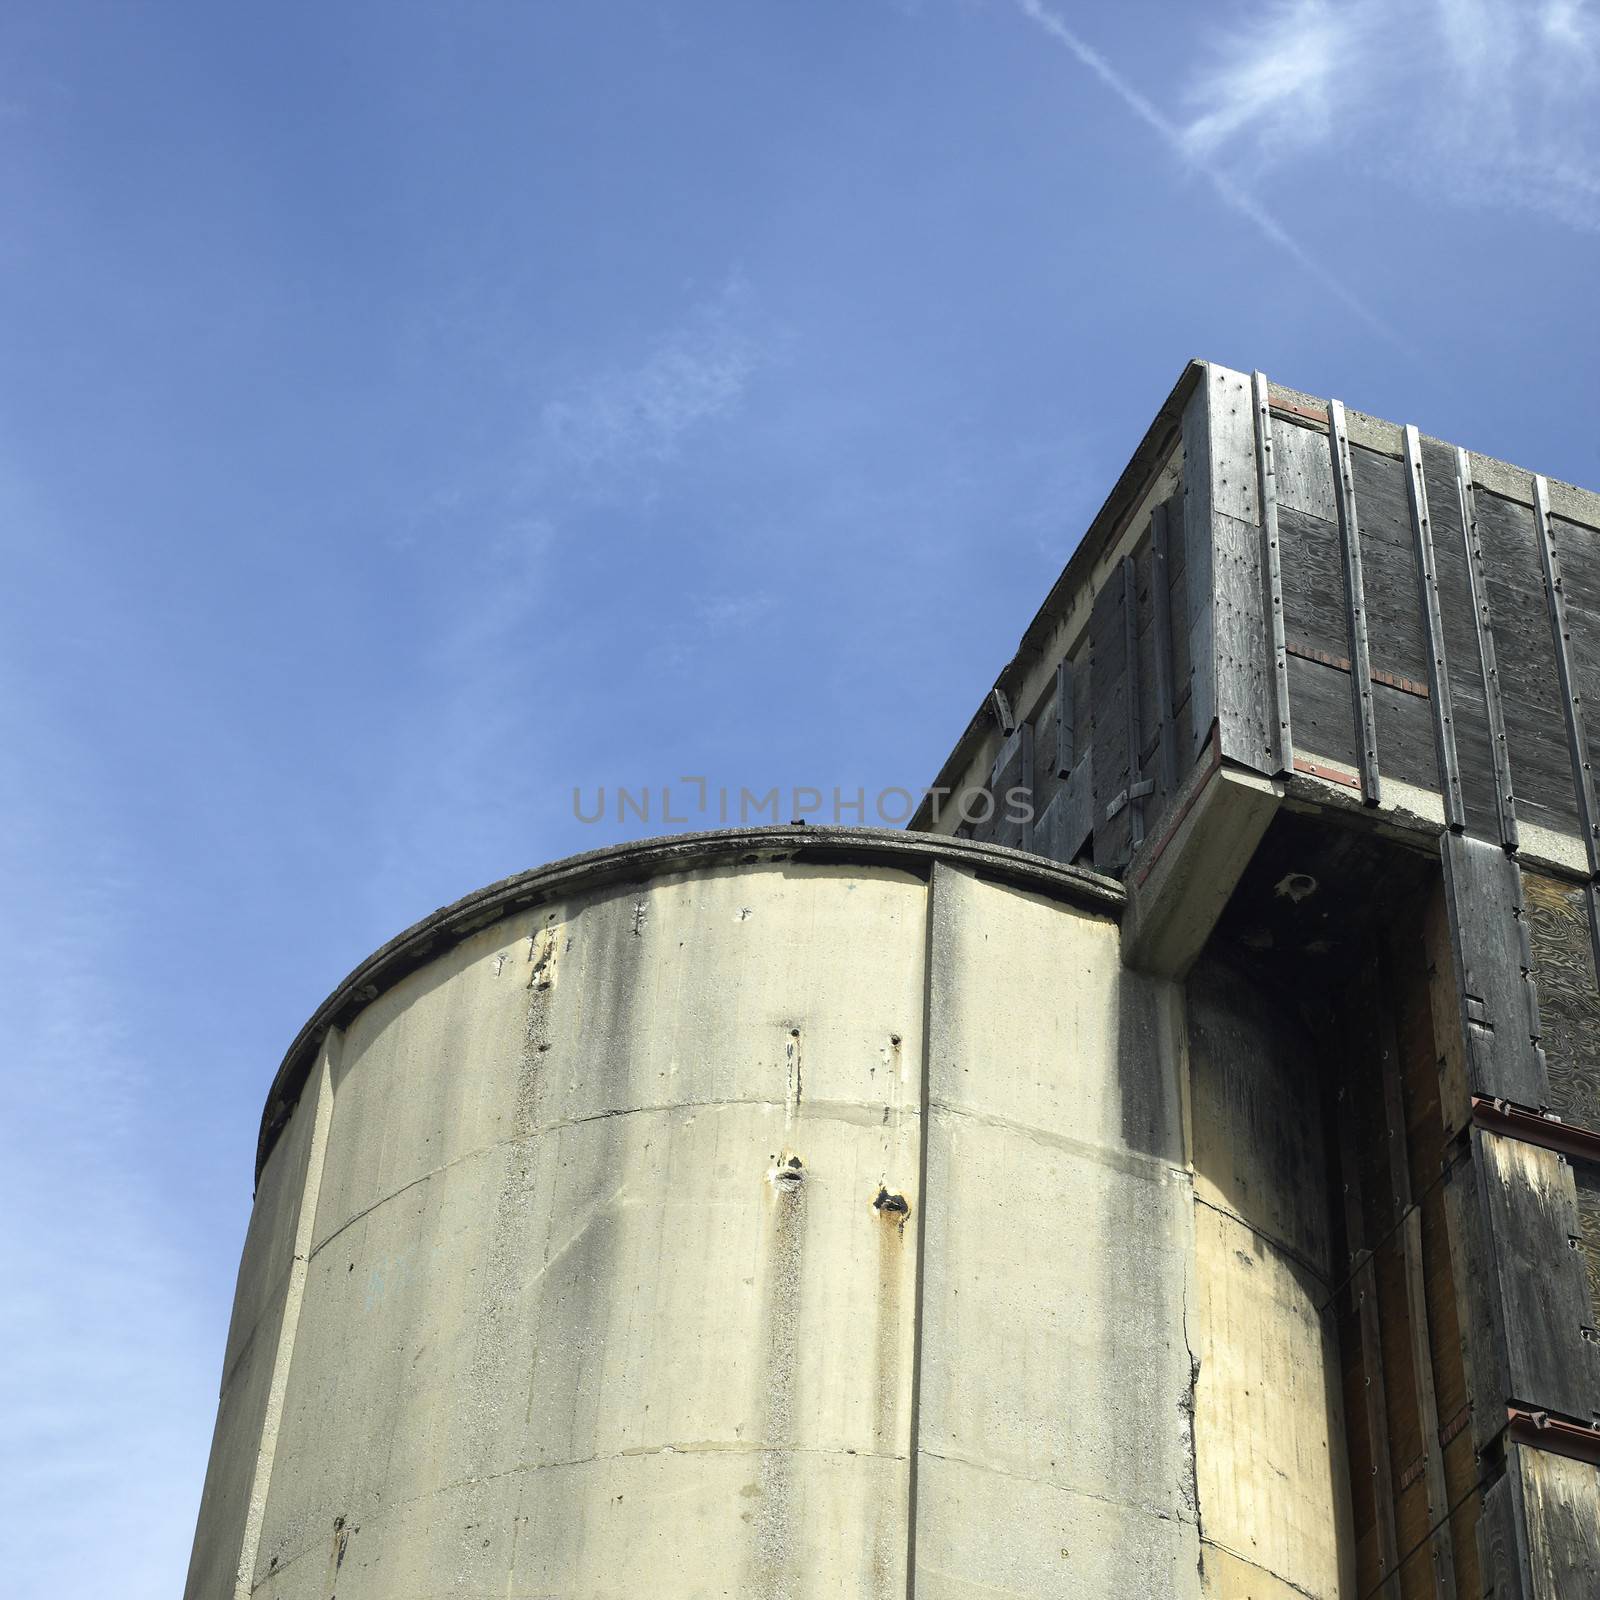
1182,879
636,862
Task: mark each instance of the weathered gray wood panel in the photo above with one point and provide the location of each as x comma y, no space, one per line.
1558,1513
1064,753
1163,678
1280,736
1405,727
1324,725
1566,677
1586,1188
1395,632
1579,549
1488,930
1062,829
1536,1282
1138,714
1245,714
1012,786
1083,695
1230,632
1178,595
1305,470
1536,735
1198,568
1046,738
1569,1002
1313,584
1540,1534
1585,647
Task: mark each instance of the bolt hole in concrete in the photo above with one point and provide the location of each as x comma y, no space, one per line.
894,1205
787,1174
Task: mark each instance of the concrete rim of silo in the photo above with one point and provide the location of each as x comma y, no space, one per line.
639,861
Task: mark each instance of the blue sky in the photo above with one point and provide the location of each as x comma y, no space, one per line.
411,412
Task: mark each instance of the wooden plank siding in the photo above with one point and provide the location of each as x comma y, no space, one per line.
1555,1516
1569,1003
1071,750
1498,999
1452,583
1536,735
1413,1470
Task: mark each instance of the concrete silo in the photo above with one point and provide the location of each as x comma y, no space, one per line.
1184,1188
730,1215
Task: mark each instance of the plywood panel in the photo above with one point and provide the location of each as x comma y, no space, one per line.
1324,714
1541,766
1304,469
1484,894
1405,735
1558,1507
1586,1186
1539,1290
1394,600
1569,1002
1313,584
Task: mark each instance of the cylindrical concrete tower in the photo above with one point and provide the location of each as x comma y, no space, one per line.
755,1214
1180,1177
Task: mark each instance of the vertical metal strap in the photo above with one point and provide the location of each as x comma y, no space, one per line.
1130,638
1066,743
1488,665
1572,704
1025,780
1444,726
1272,568
1355,602
1161,594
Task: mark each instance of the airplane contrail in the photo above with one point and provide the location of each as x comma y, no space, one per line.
1229,192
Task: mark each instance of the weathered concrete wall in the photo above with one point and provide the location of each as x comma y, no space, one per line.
579,1268
1054,1440
1269,1431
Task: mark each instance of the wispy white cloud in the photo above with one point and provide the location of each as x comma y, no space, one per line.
586,461
1227,188
1490,102
1273,76
610,433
